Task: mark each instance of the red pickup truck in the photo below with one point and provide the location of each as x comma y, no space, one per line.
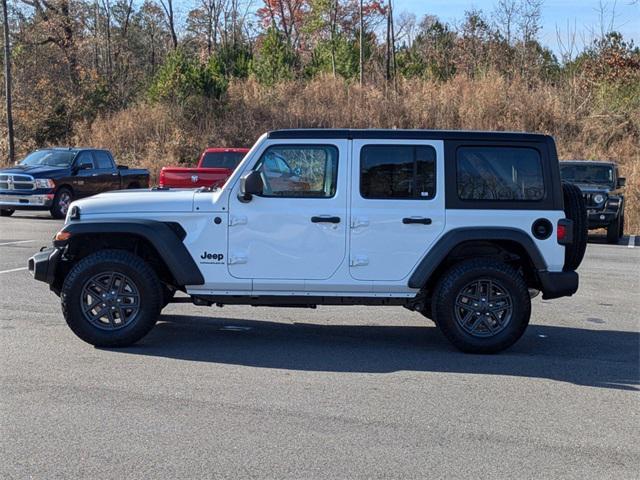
214,167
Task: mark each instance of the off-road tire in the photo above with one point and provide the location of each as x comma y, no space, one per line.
613,231
120,261
451,284
621,225
575,210
57,209
6,212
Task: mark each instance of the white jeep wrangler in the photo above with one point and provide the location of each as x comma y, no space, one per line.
463,227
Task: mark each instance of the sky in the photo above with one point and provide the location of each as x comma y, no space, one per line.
583,17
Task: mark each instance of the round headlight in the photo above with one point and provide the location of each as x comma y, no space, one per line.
598,198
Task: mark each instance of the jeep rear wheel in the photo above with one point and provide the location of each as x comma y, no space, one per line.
482,305
111,298
576,210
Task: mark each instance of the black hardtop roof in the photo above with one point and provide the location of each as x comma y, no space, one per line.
592,162
73,149
401,134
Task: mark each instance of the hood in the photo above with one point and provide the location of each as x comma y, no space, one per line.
593,187
137,201
37,171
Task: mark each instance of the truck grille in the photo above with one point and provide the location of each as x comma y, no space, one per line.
16,182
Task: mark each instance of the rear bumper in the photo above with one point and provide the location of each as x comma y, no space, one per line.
43,265
558,284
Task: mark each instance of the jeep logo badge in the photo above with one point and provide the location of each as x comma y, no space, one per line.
212,257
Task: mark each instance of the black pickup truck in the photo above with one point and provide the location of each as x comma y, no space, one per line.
50,179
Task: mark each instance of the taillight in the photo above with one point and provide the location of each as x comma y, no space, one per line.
564,231
161,181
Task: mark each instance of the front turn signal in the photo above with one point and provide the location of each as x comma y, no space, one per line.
62,236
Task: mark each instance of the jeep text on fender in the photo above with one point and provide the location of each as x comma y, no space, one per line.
461,227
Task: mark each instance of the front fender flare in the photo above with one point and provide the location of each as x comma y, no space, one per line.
159,234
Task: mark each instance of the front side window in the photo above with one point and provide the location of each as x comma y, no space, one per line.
499,173
299,171
84,158
398,172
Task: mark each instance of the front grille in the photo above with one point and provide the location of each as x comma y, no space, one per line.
588,200
16,182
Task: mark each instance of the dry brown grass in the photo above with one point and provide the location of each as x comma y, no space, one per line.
157,135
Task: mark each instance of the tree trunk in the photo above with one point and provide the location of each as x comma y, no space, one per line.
361,44
7,81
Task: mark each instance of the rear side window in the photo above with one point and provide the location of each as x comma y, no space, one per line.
499,173
398,172
103,160
228,160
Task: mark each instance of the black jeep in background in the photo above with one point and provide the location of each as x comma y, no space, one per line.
601,184
50,179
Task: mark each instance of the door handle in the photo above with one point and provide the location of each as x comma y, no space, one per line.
422,220
114,174
325,219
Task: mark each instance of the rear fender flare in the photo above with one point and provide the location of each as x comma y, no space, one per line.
450,240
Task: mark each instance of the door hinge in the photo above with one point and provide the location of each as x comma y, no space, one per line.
359,222
237,258
237,220
359,261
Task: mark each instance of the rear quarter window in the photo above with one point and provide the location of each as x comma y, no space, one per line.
499,173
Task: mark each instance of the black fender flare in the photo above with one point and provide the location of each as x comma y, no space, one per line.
450,240
166,238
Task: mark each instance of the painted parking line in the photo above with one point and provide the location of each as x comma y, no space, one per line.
632,241
16,242
13,270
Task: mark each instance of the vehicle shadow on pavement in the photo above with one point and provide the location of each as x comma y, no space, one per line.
596,358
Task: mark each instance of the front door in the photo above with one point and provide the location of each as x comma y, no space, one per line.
297,229
397,206
85,181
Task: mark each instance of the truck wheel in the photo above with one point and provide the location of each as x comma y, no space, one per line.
482,305
111,298
61,203
575,210
622,225
6,212
613,231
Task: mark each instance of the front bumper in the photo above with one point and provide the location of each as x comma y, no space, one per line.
21,201
43,264
600,218
558,284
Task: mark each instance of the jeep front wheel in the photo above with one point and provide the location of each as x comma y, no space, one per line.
614,231
111,298
482,305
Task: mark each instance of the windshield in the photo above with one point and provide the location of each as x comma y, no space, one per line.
228,160
51,158
596,174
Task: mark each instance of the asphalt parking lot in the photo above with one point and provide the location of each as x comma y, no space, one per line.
329,393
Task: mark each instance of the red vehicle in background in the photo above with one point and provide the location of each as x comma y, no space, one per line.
214,167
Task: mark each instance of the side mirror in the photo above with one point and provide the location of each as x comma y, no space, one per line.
82,166
621,182
250,184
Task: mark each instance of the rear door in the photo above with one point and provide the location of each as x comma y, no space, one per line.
397,206
106,171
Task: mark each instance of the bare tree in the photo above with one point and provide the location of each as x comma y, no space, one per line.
7,81
167,6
